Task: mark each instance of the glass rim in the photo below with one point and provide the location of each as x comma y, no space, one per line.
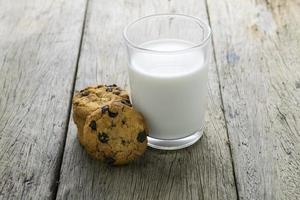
195,19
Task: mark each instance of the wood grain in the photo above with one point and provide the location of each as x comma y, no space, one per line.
257,45
39,43
203,171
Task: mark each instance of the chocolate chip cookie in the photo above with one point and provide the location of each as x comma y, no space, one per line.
115,133
91,98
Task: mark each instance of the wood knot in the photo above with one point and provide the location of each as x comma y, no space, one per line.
232,57
255,31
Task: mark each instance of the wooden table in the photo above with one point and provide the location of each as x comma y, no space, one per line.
251,143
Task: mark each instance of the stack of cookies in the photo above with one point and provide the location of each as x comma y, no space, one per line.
108,127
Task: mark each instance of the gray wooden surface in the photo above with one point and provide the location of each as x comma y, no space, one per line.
39,45
257,48
203,171
251,146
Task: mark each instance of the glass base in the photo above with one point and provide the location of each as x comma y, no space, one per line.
174,144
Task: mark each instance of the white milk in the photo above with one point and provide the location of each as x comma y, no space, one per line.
169,89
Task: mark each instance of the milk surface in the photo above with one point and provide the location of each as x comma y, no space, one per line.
169,89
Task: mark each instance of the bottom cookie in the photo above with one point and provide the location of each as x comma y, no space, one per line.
115,133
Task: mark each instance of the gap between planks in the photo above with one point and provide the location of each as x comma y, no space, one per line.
58,170
222,103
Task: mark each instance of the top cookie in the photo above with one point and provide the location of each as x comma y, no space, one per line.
91,98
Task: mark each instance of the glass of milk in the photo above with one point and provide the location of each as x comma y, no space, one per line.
168,69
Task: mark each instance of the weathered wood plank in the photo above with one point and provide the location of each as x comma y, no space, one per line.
39,43
203,171
257,47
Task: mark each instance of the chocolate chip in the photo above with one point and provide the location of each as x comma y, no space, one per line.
141,137
112,114
93,125
113,85
123,142
126,102
99,86
116,92
109,89
85,93
123,121
109,160
104,108
103,137
81,90
125,96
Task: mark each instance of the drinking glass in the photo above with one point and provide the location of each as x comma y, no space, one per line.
168,69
